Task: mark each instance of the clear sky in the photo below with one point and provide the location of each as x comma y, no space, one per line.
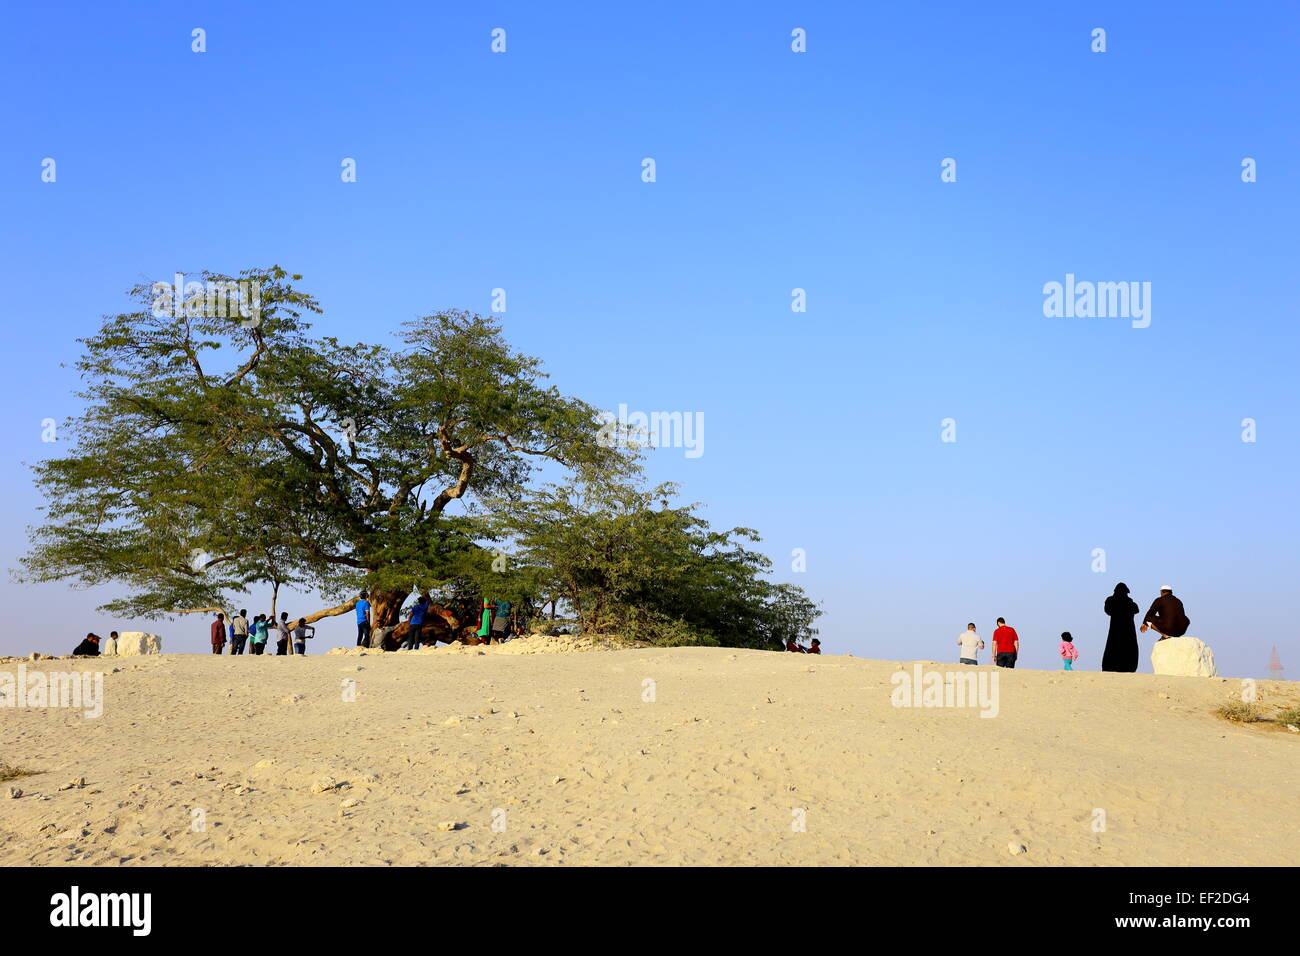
775,171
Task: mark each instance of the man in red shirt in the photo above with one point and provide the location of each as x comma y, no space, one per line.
218,633
1006,645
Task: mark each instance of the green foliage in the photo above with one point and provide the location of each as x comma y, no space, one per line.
628,562
217,452
214,453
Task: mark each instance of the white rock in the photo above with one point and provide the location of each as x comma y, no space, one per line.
135,644
1015,849
1183,657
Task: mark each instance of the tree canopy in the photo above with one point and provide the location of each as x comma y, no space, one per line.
213,453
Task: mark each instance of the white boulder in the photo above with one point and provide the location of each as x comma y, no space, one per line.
133,644
1183,657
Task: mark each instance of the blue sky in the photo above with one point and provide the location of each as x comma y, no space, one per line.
775,170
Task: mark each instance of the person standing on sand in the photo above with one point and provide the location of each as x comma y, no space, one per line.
1121,653
363,620
218,633
1006,645
300,636
1069,653
257,643
239,627
1166,617
971,644
282,645
416,623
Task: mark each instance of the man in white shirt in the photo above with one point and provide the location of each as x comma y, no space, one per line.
970,644
239,634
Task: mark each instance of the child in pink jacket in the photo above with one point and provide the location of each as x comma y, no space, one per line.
1069,653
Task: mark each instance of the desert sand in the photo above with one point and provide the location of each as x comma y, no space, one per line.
518,756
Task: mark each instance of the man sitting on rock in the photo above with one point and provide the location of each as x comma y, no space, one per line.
1166,616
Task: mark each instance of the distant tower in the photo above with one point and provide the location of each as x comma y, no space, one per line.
1275,664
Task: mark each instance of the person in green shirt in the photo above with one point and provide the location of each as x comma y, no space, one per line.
257,641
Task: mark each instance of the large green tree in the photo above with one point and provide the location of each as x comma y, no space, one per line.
217,451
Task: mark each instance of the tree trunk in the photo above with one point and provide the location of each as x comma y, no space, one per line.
385,608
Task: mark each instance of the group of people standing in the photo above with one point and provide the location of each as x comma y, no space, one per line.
1006,645
253,635
494,622
1166,617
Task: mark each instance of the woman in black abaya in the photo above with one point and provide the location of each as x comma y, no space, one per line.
1121,652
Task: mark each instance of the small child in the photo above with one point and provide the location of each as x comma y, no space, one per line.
1069,653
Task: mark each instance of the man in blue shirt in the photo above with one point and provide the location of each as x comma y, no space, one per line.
416,623
363,621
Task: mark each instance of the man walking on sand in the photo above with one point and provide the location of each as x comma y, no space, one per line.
1166,617
1006,645
971,644
218,633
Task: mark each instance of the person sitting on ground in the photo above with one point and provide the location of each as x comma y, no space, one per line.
793,647
816,647
300,636
971,644
1006,645
88,647
1069,653
1166,617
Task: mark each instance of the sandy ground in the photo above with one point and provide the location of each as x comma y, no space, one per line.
741,757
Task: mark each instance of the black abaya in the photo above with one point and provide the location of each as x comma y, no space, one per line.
1121,652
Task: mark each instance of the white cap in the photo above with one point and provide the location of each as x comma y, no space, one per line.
1165,587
